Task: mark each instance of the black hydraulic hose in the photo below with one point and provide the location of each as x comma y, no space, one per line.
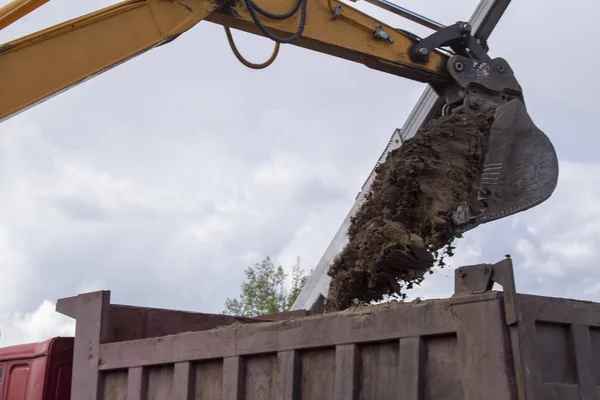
277,16
278,39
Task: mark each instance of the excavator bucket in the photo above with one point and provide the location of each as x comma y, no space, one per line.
520,169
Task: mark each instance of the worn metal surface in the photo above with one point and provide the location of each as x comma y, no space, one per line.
483,20
558,348
430,348
130,323
463,347
555,343
488,345
521,169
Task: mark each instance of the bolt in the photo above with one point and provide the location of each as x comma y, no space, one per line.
337,11
423,51
465,28
500,68
458,66
381,34
462,273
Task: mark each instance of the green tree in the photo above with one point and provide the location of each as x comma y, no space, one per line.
264,291
298,281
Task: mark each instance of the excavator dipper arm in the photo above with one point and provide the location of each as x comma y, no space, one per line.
520,168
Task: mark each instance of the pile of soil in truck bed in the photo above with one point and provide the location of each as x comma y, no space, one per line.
404,228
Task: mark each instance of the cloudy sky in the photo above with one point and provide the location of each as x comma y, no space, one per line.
164,178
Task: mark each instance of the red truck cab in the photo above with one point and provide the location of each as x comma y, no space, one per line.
37,371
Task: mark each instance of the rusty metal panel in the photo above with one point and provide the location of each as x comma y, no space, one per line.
316,378
208,380
450,348
478,344
130,323
114,385
559,343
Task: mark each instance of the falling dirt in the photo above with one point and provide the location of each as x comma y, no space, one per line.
404,227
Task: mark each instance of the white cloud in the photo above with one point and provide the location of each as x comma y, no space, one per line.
312,237
16,270
592,289
528,251
41,324
566,226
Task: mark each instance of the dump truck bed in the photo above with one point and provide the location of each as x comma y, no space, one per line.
488,345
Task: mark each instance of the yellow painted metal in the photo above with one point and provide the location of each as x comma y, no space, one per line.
350,36
17,9
40,65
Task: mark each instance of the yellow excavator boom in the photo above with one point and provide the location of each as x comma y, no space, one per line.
16,10
44,63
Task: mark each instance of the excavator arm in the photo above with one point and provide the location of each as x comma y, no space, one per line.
42,64
520,167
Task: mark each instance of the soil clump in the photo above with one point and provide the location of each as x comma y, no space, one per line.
404,227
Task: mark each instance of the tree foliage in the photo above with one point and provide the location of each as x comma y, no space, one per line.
264,290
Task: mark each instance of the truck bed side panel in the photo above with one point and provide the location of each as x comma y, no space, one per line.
453,348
